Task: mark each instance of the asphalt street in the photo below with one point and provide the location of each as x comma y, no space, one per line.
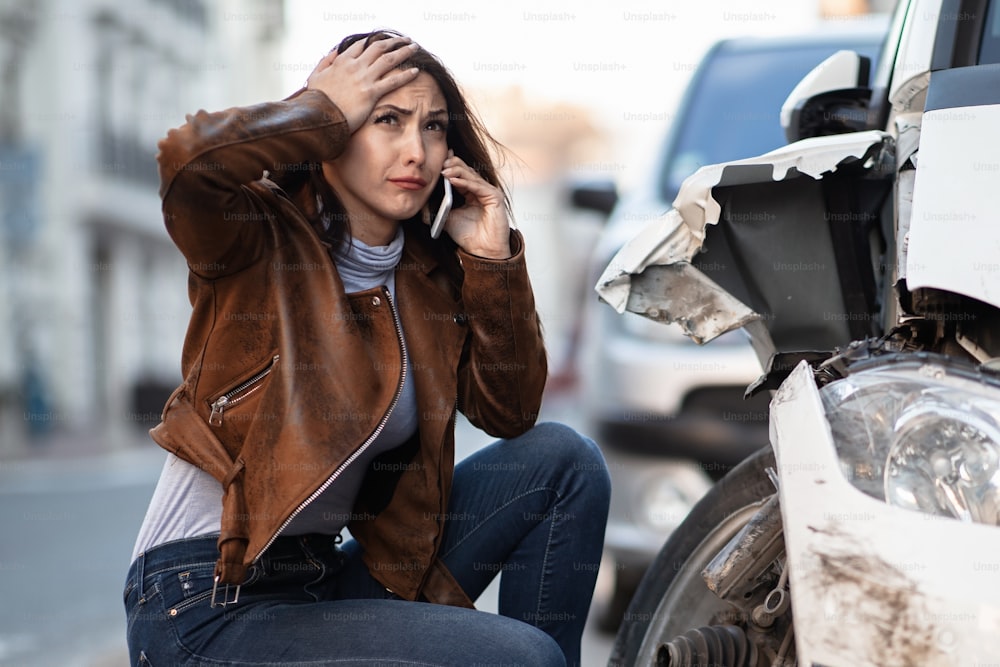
68,527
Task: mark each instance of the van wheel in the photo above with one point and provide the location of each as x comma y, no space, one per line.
672,598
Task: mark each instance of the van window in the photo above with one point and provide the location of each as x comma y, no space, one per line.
989,47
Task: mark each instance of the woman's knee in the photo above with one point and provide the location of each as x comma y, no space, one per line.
529,645
567,449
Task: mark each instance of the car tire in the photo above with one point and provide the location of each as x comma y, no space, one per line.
653,616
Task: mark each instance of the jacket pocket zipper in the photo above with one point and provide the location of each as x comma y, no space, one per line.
238,394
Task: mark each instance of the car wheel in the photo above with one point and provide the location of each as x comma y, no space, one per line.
672,598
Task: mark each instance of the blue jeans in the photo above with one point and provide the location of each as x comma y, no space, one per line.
531,509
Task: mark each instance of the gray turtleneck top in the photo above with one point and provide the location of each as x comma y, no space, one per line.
187,501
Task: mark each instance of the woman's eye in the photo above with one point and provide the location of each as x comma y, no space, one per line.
388,118
437,126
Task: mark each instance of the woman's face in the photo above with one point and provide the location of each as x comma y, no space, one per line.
392,162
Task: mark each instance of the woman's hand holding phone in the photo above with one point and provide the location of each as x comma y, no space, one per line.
480,226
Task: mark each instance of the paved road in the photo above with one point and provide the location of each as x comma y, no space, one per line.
68,527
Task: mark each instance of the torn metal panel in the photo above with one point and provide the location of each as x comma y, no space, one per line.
682,288
907,146
708,310
813,157
664,241
679,235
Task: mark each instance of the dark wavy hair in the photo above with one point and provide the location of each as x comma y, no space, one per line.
466,136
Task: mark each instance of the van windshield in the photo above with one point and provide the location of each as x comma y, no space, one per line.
734,109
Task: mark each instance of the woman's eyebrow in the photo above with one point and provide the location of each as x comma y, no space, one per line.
409,112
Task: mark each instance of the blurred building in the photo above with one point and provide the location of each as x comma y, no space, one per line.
93,303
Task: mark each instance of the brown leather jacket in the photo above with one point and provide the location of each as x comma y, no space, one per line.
286,377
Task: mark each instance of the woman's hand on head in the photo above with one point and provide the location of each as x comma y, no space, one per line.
481,226
357,78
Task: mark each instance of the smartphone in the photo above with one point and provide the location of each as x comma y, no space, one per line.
443,210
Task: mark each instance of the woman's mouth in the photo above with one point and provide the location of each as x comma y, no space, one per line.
409,183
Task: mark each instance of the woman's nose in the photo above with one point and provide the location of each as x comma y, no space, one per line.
413,151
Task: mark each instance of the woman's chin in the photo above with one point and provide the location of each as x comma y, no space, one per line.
408,213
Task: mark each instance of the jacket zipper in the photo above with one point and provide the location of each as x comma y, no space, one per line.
239,394
360,450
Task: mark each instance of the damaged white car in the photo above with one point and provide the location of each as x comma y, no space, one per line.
863,260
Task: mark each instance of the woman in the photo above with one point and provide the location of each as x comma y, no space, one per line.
331,342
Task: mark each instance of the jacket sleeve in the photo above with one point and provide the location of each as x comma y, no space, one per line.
503,373
207,164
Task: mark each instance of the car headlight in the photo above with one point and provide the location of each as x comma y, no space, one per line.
922,436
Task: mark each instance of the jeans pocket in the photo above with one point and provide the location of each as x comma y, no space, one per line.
129,587
141,615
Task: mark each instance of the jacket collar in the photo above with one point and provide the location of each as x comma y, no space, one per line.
420,250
